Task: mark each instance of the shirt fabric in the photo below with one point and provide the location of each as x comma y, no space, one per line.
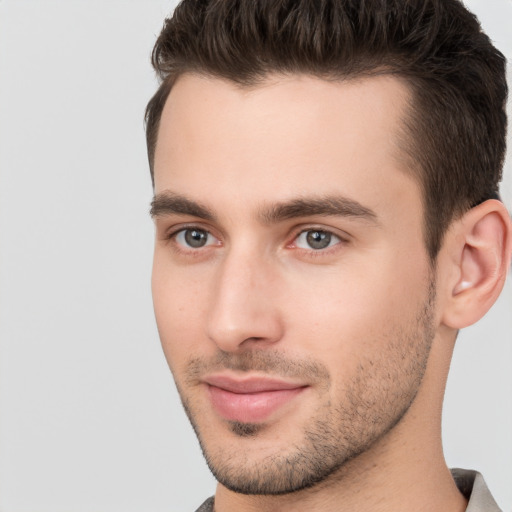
470,483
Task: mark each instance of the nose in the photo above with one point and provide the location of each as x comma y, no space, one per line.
245,309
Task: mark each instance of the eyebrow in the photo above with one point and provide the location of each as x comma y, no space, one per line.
168,203
338,206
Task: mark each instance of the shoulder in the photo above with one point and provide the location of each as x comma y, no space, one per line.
207,506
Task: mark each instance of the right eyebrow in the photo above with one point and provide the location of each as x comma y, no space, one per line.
168,203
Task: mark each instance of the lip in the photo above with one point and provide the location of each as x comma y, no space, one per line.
251,399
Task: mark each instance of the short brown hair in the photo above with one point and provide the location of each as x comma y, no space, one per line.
457,125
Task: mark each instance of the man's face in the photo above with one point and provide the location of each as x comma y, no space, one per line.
291,283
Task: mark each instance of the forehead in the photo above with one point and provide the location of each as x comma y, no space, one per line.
288,136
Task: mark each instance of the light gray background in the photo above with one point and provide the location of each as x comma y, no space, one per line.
90,420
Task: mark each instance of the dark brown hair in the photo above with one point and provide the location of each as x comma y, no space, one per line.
455,133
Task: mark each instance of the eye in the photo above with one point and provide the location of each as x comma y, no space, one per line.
194,238
316,239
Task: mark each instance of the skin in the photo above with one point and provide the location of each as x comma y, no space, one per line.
365,325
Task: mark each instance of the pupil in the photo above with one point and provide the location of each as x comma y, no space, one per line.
195,238
318,239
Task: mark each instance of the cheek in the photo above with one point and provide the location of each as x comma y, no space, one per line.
345,315
179,309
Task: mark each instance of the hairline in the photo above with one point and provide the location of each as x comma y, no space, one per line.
167,85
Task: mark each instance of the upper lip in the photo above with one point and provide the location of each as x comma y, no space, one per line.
251,384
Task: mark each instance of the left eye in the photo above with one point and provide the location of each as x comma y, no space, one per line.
194,238
316,239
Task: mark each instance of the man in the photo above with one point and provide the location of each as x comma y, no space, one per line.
327,218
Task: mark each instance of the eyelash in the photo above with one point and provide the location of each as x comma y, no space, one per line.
182,248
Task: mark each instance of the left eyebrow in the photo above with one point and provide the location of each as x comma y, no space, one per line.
338,206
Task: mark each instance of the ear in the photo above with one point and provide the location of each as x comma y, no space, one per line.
479,247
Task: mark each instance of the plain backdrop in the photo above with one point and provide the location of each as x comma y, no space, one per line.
89,418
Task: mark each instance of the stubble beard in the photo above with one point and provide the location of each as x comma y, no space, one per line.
376,400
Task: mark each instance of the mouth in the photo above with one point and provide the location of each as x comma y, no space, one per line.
251,399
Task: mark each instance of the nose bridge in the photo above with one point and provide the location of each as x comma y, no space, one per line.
243,305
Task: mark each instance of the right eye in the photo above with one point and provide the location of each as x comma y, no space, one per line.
194,238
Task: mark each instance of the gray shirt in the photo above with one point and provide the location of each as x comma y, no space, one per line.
470,483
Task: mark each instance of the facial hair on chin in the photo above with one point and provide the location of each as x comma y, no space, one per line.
379,395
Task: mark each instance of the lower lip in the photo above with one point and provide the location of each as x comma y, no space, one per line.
250,407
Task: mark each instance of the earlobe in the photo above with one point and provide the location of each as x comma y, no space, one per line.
483,250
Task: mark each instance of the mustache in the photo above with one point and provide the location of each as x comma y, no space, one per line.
270,362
